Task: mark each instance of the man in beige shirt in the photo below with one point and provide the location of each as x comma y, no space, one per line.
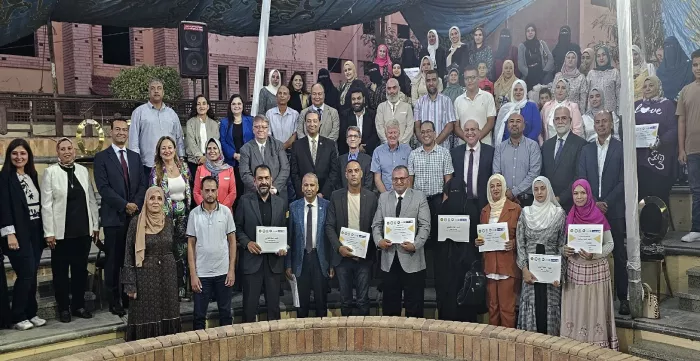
394,108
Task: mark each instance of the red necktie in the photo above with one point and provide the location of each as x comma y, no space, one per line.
125,168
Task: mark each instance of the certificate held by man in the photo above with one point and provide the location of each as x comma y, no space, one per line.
271,239
587,237
357,241
495,236
455,228
545,268
646,135
400,230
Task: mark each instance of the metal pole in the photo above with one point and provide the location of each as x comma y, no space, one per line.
262,54
642,33
634,267
54,81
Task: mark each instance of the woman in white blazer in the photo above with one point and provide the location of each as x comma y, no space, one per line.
69,214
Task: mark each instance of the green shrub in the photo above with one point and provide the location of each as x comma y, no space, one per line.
132,83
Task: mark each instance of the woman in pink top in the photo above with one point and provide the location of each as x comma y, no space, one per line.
215,166
561,95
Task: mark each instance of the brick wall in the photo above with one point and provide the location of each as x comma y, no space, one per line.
39,62
77,58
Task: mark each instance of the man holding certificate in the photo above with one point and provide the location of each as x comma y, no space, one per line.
261,220
400,228
348,220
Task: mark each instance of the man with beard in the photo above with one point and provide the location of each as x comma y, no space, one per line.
328,116
260,209
395,109
362,117
439,109
519,160
283,120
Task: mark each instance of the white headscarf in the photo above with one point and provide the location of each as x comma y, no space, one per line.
454,46
542,215
509,108
273,89
432,49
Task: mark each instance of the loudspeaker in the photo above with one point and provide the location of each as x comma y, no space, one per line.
193,40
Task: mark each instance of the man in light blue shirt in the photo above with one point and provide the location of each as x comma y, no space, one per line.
519,160
150,122
283,120
388,156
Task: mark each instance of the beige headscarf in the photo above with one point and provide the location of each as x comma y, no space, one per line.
502,86
348,82
148,223
585,68
496,206
58,143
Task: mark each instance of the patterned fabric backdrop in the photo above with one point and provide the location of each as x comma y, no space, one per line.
681,19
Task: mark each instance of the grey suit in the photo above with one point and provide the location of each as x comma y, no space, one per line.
366,164
330,123
275,158
193,142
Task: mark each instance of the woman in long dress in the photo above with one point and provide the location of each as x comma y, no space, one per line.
606,79
587,312
596,100
540,231
578,85
522,106
149,267
563,47
505,51
561,99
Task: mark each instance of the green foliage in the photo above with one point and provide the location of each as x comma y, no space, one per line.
132,83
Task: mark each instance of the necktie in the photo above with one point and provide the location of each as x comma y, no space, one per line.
398,207
262,152
470,175
558,153
320,113
125,168
314,149
309,229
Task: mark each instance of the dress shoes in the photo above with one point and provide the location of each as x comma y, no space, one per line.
82,313
117,309
64,317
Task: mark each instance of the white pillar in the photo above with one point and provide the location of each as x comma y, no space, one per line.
261,56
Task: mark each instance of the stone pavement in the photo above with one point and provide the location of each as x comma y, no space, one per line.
350,357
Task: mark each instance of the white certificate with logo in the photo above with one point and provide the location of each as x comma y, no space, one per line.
455,228
271,239
357,241
646,134
587,237
545,268
400,230
495,236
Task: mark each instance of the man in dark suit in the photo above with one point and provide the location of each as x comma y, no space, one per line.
560,157
266,210
353,135
362,118
477,156
121,182
608,186
315,154
352,207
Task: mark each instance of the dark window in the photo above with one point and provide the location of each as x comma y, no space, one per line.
223,82
24,46
403,31
243,74
335,65
116,47
368,28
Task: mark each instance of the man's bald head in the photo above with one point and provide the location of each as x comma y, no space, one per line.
516,125
472,132
392,90
392,82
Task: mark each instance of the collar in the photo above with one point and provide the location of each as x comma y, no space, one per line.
117,149
522,140
314,138
260,144
605,142
162,106
317,108
401,195
215,209
314,203
566,136
476,148
422,148
276,110
361,115
478,92
269,197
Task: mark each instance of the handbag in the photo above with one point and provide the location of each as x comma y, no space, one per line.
473,292
650,309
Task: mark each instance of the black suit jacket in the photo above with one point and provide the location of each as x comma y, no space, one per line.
14,211
366,164
562,174
326,167
485,169
613,188
247,219
337,218
109,179
369,131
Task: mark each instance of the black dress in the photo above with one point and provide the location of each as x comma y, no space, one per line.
238,143
5,319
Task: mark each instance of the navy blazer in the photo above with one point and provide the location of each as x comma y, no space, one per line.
226,137
109,178
612,190
297,237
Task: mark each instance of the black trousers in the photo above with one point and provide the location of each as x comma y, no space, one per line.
115,245
252,285
526,199
25,263
412,285
70,253
312,278
617,229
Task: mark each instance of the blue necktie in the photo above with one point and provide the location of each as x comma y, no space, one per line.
558,153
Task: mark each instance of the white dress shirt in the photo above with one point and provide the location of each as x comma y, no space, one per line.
358,119
475,169
260,147
602,153
203,137
556,145
117,151
314,219
310,147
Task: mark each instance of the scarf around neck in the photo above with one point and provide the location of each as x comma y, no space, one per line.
217,166
606,66
570,73
496,206
509,108
148,223
432,49
588,213
503,85
385,61
60,162
271,88
541,215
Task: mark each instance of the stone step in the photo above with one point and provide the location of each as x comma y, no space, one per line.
693,277
690,300
655,351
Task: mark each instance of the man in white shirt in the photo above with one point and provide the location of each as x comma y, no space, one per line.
476,104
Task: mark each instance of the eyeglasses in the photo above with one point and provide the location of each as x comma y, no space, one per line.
400,179
260,126
353,136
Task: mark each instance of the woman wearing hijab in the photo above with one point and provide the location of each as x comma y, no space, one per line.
482,53
404,81
350,73
298,93
70,220
502,272
383,60
454,88
377,87
200,127
596,101
587,63
561,99
587,313
147,276
522,106
437,55
503,86
578,85
408,55
641,70
540,231
506,51
484,83
535,60
216,167
563,47
606,79
459,51
675,70
332,96
268,94
419,87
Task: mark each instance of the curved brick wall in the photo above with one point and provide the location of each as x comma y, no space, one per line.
389,335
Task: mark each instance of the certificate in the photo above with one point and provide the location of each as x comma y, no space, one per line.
587,237
400,230
271,239
646,135
355,240
545,268
495,236
455,228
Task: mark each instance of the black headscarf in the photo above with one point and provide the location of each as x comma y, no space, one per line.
332,98
532,45
505,42
564,45
408,55
675,71
404,81
373,73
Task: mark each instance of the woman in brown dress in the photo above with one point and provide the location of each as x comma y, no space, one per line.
148,275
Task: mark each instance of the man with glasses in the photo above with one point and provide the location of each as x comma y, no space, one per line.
476,104
438,109
353,137
267,150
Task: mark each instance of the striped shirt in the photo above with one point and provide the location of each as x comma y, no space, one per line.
429,169
439,111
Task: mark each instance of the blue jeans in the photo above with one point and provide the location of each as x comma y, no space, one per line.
222,294
694,182
355,274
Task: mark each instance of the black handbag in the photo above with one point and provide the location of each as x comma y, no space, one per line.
473,292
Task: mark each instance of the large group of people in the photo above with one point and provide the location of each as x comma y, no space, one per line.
181,212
